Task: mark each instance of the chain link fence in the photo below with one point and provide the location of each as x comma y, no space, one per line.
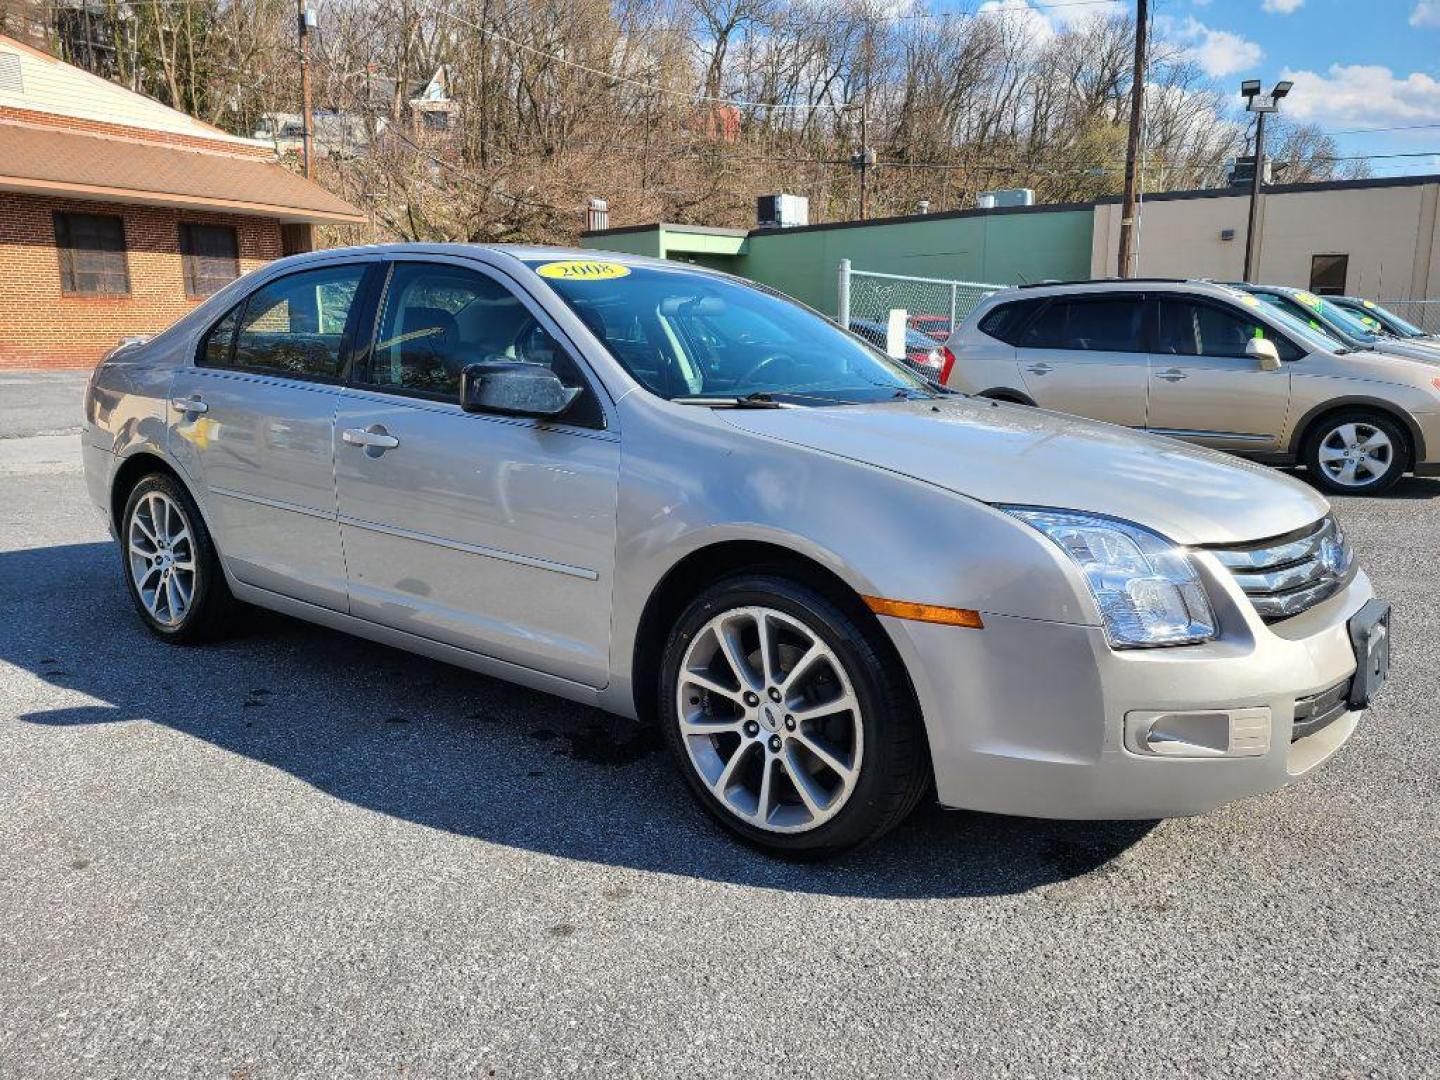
932,306
1423,313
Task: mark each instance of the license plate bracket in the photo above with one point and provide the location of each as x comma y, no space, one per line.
1370,635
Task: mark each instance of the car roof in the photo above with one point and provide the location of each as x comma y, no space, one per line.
1109,285
523,253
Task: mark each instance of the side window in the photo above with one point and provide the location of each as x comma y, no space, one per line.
1190,329
215,350
1108,324
294,326
437,319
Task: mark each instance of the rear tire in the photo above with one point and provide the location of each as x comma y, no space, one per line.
814,744
171,567
1357,452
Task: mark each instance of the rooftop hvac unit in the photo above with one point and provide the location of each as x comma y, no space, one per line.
782,211
1018,196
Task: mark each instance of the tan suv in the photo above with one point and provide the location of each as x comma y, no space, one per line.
1209,364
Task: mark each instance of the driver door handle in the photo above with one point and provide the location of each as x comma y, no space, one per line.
189,405
380,440
1041,368
1171,375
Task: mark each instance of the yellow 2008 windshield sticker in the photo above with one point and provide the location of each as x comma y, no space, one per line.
583,270
1250,301
1308,299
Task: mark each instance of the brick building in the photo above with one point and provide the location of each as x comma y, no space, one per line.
118,214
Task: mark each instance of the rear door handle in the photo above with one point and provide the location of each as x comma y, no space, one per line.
1040,369
189,405
380,440
1172,375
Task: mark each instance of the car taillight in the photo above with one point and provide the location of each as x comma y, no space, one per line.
945,361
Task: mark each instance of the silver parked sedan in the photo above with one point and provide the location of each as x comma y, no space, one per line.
675,495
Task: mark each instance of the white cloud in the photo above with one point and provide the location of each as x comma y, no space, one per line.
1282,7
1363,95
1426,13
1218,52
1018,13
1043,23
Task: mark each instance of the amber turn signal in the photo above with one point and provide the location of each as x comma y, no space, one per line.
903,609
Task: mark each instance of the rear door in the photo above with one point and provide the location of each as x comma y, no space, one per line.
251,424
1089,355
495,534
1202,385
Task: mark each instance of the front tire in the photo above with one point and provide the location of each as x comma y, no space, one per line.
791,718
172,569
1357,452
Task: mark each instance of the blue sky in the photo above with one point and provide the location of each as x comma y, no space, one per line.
1355,63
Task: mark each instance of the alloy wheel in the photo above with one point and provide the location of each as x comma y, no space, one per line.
161,553
1356,454
770,720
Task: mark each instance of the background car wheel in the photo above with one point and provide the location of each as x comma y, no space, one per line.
1357,452
791,718
171,567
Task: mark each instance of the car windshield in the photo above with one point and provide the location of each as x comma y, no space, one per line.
1311,336
1364,309
1338,322
686,334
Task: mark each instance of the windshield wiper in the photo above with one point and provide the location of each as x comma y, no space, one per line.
756,400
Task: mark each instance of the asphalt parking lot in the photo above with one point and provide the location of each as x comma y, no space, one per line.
298,854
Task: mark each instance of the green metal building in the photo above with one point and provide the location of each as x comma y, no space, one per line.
1000,246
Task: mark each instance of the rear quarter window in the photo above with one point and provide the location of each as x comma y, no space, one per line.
1005,322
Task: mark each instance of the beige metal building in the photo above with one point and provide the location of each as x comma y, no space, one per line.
1373,238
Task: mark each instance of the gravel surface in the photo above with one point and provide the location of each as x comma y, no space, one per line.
298,854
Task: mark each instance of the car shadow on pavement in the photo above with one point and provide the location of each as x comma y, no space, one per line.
452,750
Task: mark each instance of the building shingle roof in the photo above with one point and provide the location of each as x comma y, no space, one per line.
52,161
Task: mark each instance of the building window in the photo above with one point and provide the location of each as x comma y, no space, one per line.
1328,274
92,254
211,255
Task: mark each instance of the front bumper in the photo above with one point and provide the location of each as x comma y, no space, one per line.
1029,717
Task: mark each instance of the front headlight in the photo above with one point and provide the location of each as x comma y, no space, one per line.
1146,587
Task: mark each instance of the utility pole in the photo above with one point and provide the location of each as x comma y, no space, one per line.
866,157
1132,146
306,22
864,147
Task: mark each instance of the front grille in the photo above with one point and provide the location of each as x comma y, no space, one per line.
1320,710
1290,574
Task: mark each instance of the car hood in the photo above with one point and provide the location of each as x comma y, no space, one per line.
1426,352
1000,453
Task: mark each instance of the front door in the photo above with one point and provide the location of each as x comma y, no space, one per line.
495,534
1202,385
1088,355
251,423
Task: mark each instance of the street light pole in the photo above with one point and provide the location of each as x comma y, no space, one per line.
1253,227
1261,105
1132,146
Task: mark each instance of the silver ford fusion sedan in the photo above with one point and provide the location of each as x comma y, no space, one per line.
678,496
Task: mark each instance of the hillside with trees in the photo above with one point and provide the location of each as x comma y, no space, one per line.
682,110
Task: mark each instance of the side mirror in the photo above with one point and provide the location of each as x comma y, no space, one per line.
512,388
1264,354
